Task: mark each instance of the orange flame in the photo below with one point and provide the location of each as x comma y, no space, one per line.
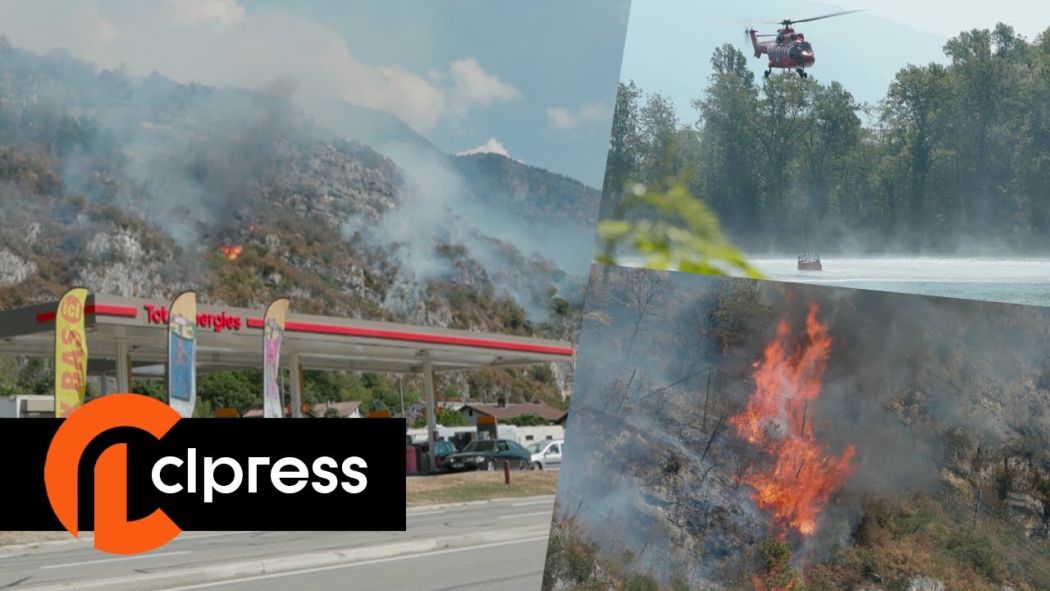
231,251
803,474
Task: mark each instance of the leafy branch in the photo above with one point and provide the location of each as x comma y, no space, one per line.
683,235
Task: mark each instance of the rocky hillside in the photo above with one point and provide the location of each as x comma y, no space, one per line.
527,191
145,187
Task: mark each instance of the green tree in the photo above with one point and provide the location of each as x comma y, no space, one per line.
241,389
729,176
624,144
776,556
915,109
451,418
681,234
526,420
152,388
659,130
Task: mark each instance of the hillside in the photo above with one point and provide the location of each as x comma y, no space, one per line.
528,191
763,436
133,186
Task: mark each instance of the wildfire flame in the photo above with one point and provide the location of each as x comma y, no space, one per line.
803,474
231,251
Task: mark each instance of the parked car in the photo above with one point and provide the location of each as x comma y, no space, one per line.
489,454
546,454
442,450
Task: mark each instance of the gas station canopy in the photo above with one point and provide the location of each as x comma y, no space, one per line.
126,333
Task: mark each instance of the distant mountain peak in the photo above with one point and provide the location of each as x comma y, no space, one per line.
492,146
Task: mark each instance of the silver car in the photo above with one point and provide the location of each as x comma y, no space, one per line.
547,454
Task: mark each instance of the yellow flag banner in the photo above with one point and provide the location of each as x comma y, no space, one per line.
70,352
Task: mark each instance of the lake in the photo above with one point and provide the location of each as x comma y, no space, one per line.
1013,280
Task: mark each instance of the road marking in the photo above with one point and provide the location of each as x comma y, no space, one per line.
425,513
543,502
214,534
524,515
105,560
304,571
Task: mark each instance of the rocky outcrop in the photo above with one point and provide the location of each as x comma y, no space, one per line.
13,268
925,584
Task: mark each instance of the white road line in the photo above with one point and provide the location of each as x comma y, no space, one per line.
304,571
425,513
524,515
105,560
544,502
203,535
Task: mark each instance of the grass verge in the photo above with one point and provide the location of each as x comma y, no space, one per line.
479,486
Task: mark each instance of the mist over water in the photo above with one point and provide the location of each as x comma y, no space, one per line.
1009,280
1014,281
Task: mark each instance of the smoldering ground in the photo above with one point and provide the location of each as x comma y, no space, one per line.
907,378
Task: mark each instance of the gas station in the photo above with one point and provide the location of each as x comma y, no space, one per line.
128,336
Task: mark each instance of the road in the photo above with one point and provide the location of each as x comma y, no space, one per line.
494,545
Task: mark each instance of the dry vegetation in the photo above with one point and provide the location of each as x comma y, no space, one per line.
479,486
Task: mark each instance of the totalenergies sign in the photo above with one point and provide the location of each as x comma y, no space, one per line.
217,321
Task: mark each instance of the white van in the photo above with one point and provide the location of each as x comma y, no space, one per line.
547,454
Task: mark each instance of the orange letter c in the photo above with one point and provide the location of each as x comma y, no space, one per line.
113,531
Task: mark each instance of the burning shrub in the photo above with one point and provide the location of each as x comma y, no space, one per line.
778,575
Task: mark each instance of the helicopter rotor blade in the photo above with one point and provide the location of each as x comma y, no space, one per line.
750,21
788,21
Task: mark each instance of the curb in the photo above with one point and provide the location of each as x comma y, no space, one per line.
86,537
231,571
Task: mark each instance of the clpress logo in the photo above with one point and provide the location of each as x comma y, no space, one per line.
129,468
114,532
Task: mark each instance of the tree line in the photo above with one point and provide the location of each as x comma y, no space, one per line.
955,159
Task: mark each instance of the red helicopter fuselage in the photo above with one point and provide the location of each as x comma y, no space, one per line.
789,50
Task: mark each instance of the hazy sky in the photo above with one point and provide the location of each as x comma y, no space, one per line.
669,42
536,78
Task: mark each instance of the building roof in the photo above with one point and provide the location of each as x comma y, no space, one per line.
321,342
511,410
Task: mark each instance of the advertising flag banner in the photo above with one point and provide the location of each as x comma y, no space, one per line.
70,352
273,336
182,353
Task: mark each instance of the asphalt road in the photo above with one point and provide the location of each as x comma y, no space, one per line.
495,545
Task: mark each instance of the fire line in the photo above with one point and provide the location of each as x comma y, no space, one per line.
801,474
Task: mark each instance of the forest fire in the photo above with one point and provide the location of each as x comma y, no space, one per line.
231,251
803,474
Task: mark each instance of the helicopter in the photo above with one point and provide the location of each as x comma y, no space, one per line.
789,49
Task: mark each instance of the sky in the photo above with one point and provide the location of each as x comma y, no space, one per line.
669,42
534,80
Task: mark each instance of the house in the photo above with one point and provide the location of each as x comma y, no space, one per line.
419,409
503,411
